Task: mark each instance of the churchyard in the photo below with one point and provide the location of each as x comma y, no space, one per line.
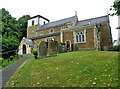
71,69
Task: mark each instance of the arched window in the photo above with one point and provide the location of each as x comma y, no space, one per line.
80,37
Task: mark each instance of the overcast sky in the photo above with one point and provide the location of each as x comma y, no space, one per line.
59,9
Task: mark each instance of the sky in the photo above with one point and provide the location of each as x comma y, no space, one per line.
60,9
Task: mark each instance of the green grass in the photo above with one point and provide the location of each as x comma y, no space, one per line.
7,61
74,69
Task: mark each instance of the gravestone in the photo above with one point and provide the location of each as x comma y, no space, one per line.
52,48
75,47
42,50
60,50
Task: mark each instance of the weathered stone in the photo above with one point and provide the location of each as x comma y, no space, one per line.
52,48
60,48
42,50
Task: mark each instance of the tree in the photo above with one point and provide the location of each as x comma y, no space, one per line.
115,8
12,31
22,21
9,44
9,24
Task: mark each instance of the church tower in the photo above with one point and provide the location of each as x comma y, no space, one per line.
34,23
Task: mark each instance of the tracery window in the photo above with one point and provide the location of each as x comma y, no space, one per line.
80,37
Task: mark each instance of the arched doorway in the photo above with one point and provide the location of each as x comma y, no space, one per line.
68,45
24,49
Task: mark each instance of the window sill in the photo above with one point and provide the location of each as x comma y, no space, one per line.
80,42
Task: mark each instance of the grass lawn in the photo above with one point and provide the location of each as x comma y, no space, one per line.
73,69
7,62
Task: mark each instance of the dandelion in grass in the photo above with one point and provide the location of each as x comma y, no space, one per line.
57,68
108,84
105,75
105,70
69,79
31,74
38,83
95,78
94,83
47,77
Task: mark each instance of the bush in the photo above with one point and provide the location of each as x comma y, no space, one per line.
11,58
35,53
116,48
5,64
1,60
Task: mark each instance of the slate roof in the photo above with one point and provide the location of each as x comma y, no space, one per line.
57,23
66,20
93,20
45,35
39,17
29,41
118,27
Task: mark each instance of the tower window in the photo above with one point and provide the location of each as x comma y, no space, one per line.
33,22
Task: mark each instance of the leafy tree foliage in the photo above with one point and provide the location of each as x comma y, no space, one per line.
22,21
116,8
12,31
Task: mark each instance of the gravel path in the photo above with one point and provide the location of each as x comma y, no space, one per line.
10,70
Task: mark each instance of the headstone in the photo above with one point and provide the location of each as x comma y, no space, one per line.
52,48
42,50
60,48
75,47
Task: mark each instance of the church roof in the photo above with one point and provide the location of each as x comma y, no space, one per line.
39,17
29,41
57,23
45,35
118,27
93,20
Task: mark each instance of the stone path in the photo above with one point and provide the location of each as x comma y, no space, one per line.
7,73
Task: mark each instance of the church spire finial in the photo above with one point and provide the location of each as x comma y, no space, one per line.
76,13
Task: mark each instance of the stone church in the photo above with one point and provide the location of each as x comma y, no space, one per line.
89,34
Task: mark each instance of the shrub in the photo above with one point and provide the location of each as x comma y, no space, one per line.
1,60
5,64
35,53
11,58
116,48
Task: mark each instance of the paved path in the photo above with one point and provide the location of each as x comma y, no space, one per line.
10,70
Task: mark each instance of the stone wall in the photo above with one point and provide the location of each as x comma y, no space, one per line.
89,39
105,37
68,36
31,31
